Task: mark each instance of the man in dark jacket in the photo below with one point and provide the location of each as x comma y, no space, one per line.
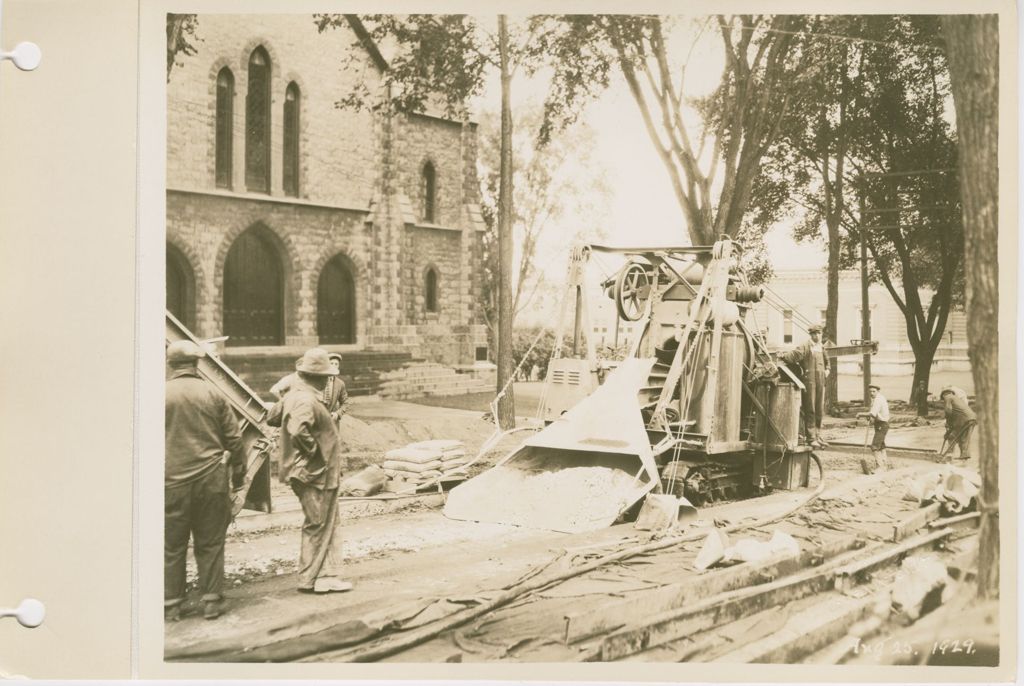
202,443
311,465
811,358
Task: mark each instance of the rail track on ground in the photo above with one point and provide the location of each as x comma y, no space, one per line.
647,602
639,597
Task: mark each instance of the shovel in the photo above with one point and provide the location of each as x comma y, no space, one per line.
864,464
662,511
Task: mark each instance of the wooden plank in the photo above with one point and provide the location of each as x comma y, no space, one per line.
615,615
804,633
636,607
914,522
848,576
733,605
964,521
710,613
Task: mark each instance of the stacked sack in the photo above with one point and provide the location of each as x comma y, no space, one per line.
422,462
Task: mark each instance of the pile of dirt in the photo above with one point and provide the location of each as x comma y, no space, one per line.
571,500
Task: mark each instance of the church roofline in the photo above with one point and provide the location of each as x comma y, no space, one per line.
363,34
367,42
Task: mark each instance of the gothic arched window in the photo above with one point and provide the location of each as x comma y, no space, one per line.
429,192
257,123
225,126
292,108
430,290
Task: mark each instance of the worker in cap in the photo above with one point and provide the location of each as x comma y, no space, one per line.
878,415
335,393
202,451
810,357
311,465
960,422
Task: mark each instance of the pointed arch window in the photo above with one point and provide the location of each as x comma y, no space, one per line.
429,192
292,108
430,290
257,123
225,126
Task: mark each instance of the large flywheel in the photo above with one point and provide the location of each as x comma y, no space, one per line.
632,289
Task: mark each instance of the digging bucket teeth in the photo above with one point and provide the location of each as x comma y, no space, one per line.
579,473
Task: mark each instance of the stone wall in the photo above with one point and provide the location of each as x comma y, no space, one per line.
338,148
360,191
204,226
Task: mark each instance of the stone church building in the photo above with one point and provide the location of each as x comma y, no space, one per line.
292,222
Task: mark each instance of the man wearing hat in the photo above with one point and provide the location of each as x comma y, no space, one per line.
335,393
960,421
202,443
810,356
311,465
879,416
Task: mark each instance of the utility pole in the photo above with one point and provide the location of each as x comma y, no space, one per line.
865,312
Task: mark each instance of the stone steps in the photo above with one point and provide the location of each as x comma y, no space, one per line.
428,379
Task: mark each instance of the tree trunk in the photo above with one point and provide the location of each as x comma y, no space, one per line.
973,46
506,404
923,356
832,313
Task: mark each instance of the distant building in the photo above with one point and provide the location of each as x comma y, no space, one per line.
798,297
292,222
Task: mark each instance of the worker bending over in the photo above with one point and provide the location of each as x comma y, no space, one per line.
960,422
879,416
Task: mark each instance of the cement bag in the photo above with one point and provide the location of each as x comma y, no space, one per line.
418,468
411,478
413,455
452,464
921,489
367,481
436,444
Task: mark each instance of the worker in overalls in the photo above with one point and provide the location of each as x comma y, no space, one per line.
811,358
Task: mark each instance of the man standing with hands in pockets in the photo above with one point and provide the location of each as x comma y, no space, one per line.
311,465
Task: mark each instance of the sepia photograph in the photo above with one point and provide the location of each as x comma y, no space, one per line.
567,338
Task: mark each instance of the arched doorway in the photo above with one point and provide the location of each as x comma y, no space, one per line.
181,287
253,291
336,302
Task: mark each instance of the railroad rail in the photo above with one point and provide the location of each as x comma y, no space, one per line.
640,598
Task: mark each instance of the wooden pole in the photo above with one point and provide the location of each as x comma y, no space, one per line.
506,404
865,305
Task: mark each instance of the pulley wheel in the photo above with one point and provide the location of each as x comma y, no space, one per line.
632,289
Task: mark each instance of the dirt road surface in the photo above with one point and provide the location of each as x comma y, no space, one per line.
413,566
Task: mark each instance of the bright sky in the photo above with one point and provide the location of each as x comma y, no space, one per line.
643,207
